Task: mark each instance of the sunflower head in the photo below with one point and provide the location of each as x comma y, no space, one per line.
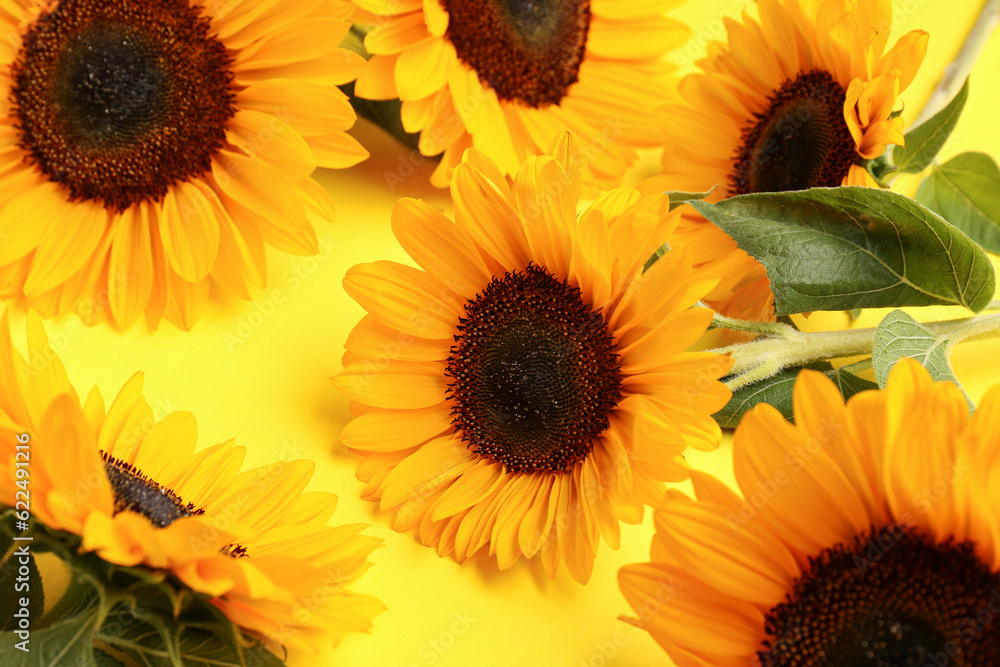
542,376
507,77
130,488
880,513
156,147
800,97
118,105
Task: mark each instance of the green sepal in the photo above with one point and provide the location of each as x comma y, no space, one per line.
879,169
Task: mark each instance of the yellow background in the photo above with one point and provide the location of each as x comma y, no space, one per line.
259,371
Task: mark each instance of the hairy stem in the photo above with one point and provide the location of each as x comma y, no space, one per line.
771,328
767,355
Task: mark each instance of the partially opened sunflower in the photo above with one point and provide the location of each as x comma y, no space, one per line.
150,148
135,491
800,97
528,387
507,78
866,534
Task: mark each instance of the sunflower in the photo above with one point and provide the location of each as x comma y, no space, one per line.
799,99
507,78
137,493
528,386
866,534
150,148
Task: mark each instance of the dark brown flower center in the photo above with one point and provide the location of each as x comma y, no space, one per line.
534,373
528,51
800,141
892,598
135,492
117,100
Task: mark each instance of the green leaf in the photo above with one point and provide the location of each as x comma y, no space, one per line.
384,113
848,383
925,140
141,613
20,582
965,191
777,391
677,197
75,599
195,646
899,336
67,642
19,577
153,632
854,247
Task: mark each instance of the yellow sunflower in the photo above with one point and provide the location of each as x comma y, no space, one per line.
799,98
138,494
528,386
150,148
507,78
865,534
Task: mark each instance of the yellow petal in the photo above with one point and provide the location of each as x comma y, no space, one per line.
906,56
393,430
189,231
270,139
131,260
423,70
167,448
398,385
68,244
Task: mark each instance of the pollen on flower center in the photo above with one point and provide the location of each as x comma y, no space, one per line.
799,141
892,598
117,101
135,492
111,84
526,50
534,373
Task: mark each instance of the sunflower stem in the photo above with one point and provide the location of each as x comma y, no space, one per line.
961,66
778,329
981,327
769,354
798,349
767,368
